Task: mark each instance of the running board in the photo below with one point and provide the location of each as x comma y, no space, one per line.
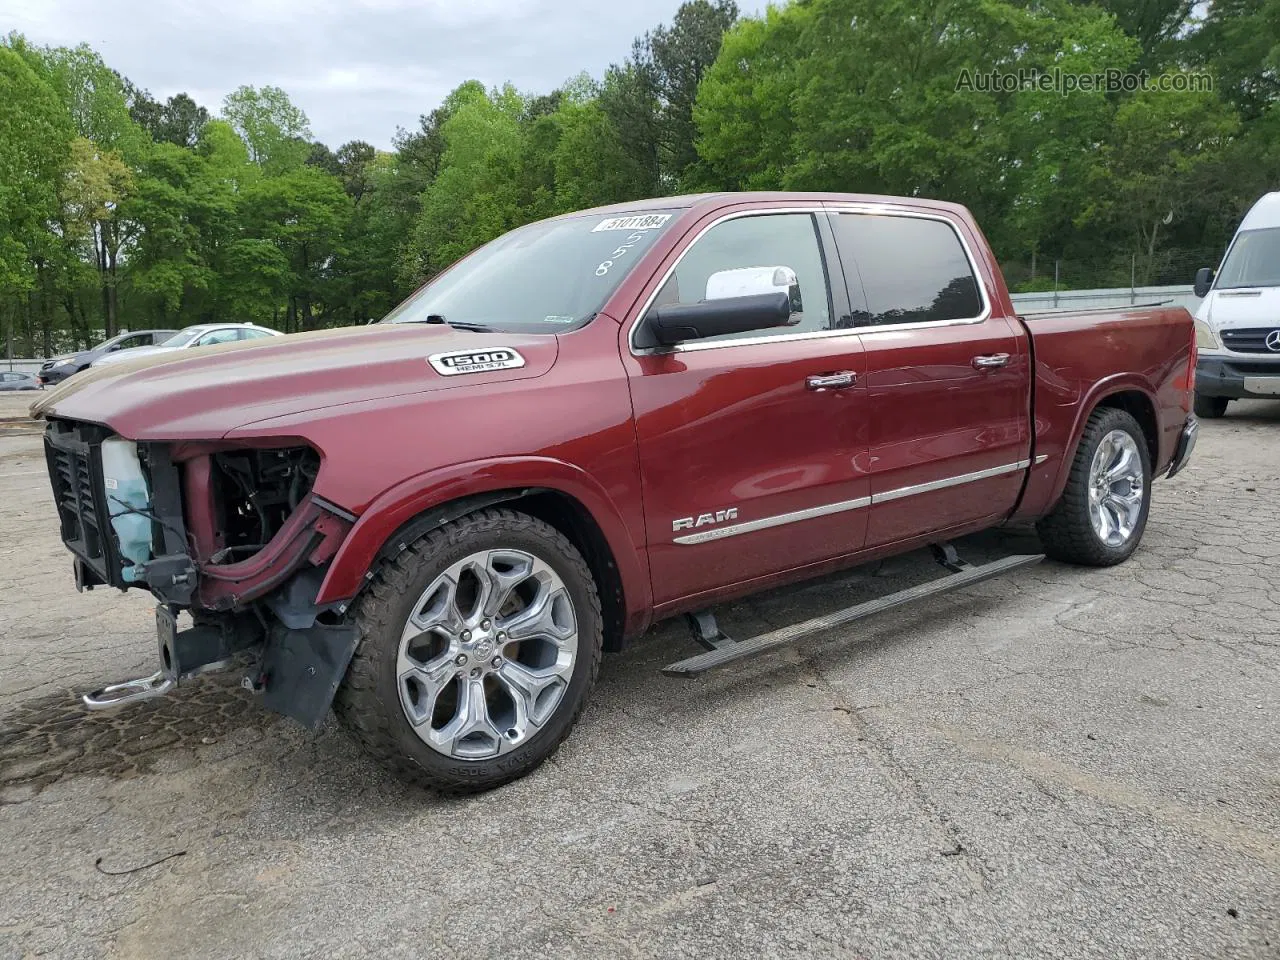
725,651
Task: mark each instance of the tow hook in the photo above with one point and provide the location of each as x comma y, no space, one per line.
131,691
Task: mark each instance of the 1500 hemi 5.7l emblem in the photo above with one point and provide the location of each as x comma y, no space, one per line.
704,519
455,362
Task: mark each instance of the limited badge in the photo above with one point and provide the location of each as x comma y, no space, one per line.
457,362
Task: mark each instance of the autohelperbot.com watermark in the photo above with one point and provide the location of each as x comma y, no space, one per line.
1066,82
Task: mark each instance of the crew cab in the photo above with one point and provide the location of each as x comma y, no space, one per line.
436,524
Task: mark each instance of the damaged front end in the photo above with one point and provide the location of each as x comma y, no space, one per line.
231,534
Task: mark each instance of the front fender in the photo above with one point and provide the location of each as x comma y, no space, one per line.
400,504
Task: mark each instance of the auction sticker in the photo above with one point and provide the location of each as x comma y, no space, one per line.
649,221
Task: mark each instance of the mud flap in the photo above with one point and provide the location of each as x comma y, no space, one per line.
301,670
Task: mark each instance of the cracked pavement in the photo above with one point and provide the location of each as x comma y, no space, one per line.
1060,763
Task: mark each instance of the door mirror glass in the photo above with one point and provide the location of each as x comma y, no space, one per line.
1204,280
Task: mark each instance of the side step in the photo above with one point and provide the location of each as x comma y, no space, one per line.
725,651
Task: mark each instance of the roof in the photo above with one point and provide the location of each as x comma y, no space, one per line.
1265,213
686,201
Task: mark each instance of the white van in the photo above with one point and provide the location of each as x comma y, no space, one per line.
1238,324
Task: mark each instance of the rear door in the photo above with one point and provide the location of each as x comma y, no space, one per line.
748,464
947,373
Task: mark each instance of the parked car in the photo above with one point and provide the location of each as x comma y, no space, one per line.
57,369
437,523
201,335
17,380
1238,322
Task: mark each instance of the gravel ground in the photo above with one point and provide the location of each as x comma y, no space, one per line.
1062,763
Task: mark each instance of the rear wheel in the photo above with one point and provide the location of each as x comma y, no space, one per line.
1210,408
1103,511
480,644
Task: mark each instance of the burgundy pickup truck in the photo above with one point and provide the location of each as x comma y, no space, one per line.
436,524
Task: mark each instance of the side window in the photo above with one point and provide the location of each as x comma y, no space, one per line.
253,334
218,336
913,270
765,242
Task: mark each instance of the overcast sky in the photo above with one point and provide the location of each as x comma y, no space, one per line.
359,68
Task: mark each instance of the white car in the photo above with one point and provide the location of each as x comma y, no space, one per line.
201,335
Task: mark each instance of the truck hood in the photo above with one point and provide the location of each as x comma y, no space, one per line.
1243,307
206,392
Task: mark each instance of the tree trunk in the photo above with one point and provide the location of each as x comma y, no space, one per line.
100,254
113,299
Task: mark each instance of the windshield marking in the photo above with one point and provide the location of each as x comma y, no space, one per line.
650,221
621,251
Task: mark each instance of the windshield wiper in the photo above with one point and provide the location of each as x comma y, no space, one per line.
457,324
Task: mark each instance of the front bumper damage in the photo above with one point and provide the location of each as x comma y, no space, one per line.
258,611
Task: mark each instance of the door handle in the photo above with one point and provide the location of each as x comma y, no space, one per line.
832,381
991,360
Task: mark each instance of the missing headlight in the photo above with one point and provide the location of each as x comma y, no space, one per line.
255,493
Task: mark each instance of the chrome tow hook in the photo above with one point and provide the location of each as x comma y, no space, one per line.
131,691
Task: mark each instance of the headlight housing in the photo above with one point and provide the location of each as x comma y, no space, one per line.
1206,338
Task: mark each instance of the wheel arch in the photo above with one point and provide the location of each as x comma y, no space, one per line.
559,494
1134,398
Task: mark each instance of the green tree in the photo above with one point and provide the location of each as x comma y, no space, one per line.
276,132
303,213
35,140
475,195
1165,155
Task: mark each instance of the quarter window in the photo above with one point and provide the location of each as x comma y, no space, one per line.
912,270
787,240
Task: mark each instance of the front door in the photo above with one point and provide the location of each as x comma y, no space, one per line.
947,378
749,464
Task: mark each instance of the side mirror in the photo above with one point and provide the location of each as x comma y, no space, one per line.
1204,280
748,281
677,322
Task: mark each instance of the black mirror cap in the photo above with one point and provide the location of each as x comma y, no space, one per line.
1204,281
678,322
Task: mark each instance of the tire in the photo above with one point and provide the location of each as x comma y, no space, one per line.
1069,533
1210,408
374,701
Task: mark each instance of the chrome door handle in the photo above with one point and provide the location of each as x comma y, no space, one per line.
991,360
832,381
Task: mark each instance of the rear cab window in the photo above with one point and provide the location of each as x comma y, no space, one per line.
906,269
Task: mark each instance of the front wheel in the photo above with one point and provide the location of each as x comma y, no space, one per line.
480,644
1210,408
1103,511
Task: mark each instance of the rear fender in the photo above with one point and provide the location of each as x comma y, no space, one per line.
473,486
1049,480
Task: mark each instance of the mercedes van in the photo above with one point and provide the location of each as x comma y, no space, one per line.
1238,322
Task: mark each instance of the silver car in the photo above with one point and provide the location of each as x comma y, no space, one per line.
201,335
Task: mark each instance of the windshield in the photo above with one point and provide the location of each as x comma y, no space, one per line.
547,277
183,337
1253,261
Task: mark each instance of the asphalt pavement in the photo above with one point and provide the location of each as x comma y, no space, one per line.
1061,763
